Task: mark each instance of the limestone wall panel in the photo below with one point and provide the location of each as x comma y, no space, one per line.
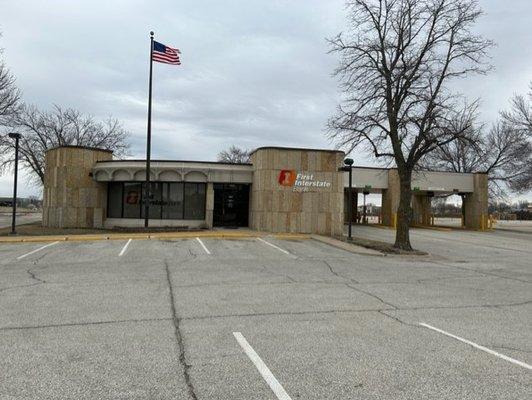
302,208
71,197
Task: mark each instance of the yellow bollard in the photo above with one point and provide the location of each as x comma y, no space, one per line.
394,220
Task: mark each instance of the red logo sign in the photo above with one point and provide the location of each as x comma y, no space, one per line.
132,197
287,177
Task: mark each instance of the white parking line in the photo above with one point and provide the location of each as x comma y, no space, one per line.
272,382
36,250
478,346
124,248
274,246
202,245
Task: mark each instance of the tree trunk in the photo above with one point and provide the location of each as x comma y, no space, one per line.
404,212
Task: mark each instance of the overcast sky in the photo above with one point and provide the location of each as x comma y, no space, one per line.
253,73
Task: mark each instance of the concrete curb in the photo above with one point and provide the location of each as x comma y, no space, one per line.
149,236
352,248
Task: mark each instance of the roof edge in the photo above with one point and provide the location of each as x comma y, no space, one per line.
79,147
295,149
174,161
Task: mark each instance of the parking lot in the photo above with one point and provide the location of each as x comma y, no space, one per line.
267,318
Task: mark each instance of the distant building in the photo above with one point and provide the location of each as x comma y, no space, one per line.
21,202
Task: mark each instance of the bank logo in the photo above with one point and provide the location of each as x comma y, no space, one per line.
287,177
302,181
132,197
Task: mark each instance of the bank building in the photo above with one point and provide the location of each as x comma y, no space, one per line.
282,189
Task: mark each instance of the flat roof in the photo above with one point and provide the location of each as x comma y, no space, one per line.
80,147
173,161
295,149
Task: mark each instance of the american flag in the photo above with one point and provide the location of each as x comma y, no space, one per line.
165,54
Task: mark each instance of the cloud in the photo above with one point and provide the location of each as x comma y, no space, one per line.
254,72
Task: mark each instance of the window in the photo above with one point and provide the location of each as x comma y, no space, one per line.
173,201
194,201
155,200
132,195
168,200
114,200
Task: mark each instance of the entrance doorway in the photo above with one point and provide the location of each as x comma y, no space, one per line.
231,205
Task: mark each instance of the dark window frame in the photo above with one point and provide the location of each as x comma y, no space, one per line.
204,201
165,184
121,196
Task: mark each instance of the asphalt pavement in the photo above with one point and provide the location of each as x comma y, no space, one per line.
265,318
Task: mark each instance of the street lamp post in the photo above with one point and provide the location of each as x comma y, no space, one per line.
16,136
349,168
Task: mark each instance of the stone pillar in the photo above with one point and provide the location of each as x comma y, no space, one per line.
209,205
297,190
476,203
421,207
390,198
71,198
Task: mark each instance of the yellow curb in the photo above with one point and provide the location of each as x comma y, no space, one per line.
221,234
291,236
350,247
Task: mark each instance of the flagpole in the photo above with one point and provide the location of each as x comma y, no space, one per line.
148,144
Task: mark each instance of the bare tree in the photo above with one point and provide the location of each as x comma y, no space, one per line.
520,114
42,130
9,94
503,153
519,119
234,155
396,63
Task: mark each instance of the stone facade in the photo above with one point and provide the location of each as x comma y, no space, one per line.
71,197
390,198
421,210
311,198
476,204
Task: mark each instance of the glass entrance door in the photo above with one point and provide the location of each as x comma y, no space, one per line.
231,204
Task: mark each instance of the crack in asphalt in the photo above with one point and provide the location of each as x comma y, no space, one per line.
4,289
481,272
331,269
179,336
372,295
280,313
267,314
66,325
348,311
397,319
34,276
